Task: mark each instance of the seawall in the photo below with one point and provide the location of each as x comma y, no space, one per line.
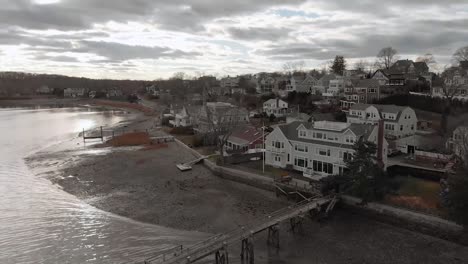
415,221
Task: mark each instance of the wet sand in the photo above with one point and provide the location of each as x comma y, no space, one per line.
145,185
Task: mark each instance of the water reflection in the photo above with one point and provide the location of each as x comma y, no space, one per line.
39,223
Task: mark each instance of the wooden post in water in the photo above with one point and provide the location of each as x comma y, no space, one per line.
102,135
84,140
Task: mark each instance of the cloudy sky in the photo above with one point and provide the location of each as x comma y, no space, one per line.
149,39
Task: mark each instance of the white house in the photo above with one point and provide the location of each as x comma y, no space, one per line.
336,86
266,85
277,107
181,119
44,89
458,143
74,92
320,148
153,90
400,122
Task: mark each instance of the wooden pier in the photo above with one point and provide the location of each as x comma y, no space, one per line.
218,245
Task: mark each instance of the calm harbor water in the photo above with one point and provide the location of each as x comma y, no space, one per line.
39,223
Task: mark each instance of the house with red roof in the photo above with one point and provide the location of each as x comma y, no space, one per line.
245,139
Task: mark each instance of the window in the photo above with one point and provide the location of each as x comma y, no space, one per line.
300,162
320,166
302,133
318,135
389,127
412,127
301,148
401,127
350,139
323,152
277,158
347,156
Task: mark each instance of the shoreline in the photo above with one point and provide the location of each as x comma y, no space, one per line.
146,186
136,184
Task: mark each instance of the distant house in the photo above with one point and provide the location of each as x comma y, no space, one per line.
381,77
266,85
458,143
44,89
153,90
74,92
276,107
230,82
181,118
245,139
308,85
114,92
336,86
323,83
400,123
214,115
363,91
354,74
293,83
456,85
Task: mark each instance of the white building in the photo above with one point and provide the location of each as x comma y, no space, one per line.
181,119
400,123
336,86
320,148
458,143
266,85
74,92
44,89
277,107
230,83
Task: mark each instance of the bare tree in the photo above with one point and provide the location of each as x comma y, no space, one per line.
450,89
386,57
221,125
461,54
362,65
178,76
293,66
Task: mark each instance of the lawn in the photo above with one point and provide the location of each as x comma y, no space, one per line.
417,194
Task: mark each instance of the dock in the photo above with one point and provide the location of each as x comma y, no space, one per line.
217,245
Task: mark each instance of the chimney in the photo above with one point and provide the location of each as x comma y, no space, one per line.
380,143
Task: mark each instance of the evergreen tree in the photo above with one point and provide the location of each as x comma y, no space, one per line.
339,65
364,178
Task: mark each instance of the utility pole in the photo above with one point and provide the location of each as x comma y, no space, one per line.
264,146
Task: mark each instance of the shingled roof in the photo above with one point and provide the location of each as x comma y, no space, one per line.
290,132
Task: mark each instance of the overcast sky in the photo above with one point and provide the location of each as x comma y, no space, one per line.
149,39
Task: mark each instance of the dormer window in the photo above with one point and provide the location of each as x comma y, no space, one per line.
302,133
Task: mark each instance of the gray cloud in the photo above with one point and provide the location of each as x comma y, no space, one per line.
82,14
60,58
114,52
258,33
